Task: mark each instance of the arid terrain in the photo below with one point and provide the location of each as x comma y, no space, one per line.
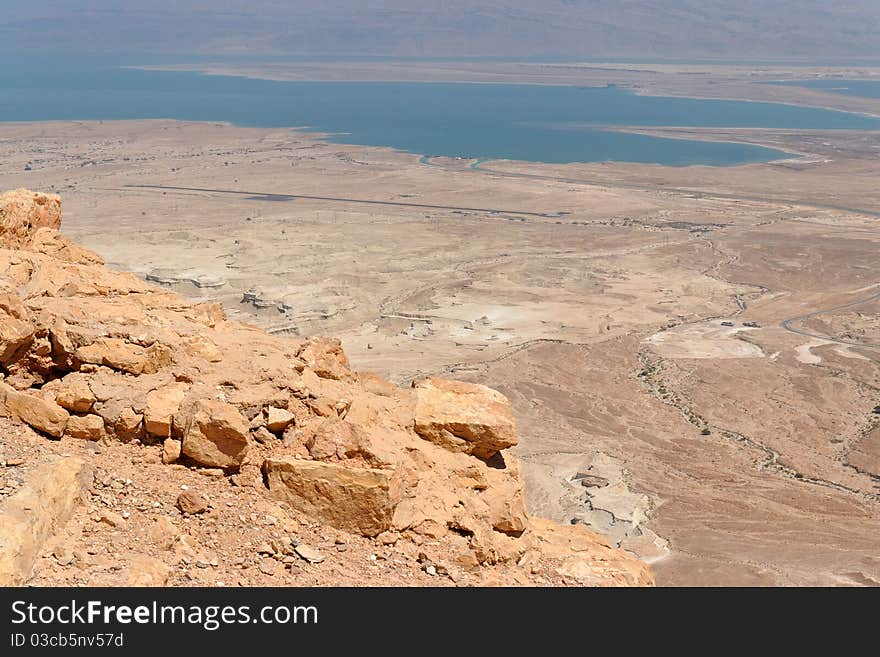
608,302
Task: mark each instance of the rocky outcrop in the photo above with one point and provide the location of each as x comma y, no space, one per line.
23,211
464,417
93,354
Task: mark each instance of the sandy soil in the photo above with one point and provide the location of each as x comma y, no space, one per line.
592,295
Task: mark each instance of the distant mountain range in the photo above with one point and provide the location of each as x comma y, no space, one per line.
724,29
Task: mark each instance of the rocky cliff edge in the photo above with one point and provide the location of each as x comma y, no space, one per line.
90,354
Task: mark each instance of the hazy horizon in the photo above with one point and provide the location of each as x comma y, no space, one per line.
745,30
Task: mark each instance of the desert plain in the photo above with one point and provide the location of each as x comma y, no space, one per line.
607,301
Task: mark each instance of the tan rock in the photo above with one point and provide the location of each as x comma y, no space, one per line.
263,435
350,498
171,450
147,571
333,439
325,357
74,393
215,434
277,419
464,417
85,427
586,557
22,212
125,356
164,533
161,407
121,421
16,329
111,518
41,414
36,512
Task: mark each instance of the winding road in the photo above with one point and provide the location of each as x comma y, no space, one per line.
787,323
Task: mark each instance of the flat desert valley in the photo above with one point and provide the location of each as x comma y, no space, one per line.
691,352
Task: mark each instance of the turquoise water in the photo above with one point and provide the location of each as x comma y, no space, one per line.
863,88
524,122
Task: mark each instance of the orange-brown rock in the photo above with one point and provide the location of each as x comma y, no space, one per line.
74,393
144,571
36,512
16,329
171,450
464,417
23,211
347,497
586,557
124,356
278,419
41,414
85,427
324,356
215,434
161,406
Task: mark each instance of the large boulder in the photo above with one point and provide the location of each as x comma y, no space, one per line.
215,434
41,414
350,498
464,417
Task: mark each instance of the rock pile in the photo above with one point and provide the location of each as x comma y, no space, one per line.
87,353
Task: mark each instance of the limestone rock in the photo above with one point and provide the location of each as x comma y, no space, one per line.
171,450
164,533
124,356
586,557
333,439
277,419
147,571
324,356
161,406
309,553
120,419
263,436
41,414
23,211
16,329
74,394
464,417
36,512
110,518
85,427
215,434
350,498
